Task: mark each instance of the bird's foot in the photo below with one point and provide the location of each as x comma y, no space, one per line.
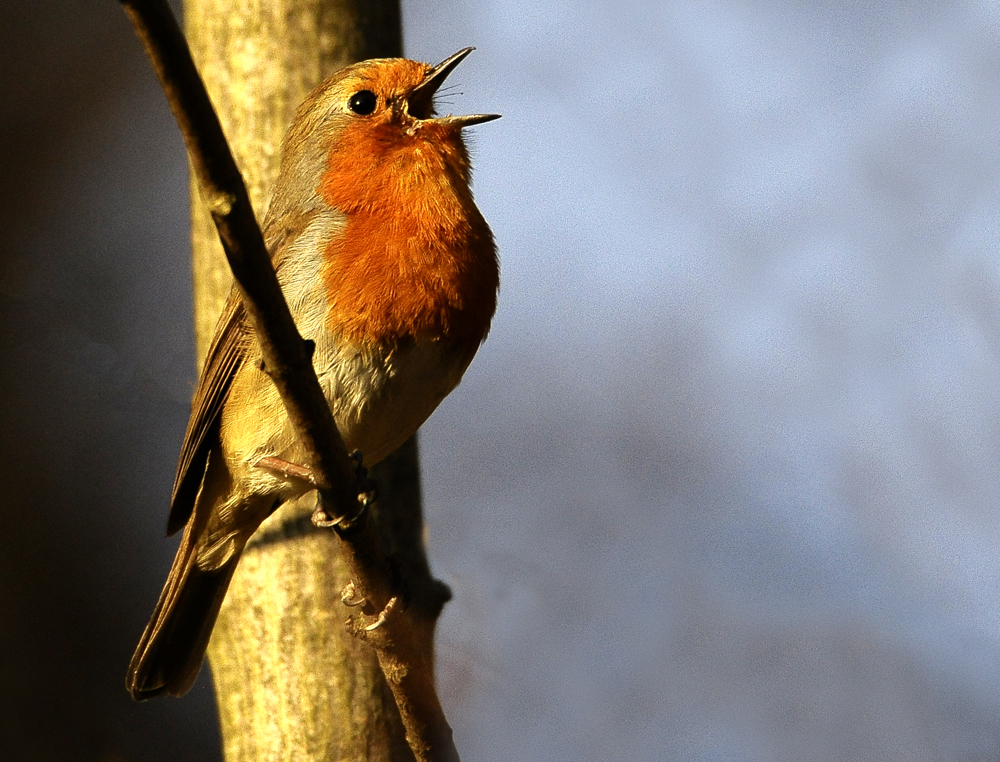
367,494
367,489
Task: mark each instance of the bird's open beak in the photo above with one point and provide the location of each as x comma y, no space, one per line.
422,96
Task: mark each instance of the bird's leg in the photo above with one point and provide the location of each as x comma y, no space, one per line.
367,491
291,471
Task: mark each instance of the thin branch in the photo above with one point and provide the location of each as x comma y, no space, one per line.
401,635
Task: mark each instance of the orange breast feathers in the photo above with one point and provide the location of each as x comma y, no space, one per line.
416,258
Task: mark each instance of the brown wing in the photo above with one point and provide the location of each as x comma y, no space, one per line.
227,352
224,358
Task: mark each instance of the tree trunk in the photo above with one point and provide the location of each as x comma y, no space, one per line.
291,683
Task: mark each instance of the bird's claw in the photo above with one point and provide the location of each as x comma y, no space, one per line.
367,489
321,519
367,494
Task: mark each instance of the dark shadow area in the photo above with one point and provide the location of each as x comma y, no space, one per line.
96,362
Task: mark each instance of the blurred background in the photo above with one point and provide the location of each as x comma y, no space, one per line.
723,482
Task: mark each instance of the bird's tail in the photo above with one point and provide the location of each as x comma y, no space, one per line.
169,655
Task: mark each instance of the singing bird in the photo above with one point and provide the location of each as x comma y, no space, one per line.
389,267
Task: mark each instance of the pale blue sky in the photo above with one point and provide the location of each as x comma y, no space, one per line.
731,486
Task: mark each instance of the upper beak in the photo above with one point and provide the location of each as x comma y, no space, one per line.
421,97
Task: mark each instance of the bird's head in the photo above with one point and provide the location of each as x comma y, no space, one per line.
371,122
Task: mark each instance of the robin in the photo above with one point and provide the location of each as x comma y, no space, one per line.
389,268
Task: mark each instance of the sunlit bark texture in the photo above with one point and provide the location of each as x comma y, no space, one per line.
291,683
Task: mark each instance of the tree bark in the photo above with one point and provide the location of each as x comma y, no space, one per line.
291,682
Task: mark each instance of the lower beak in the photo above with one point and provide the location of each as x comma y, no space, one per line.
466,121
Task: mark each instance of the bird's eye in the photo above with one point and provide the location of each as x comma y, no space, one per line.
363,102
